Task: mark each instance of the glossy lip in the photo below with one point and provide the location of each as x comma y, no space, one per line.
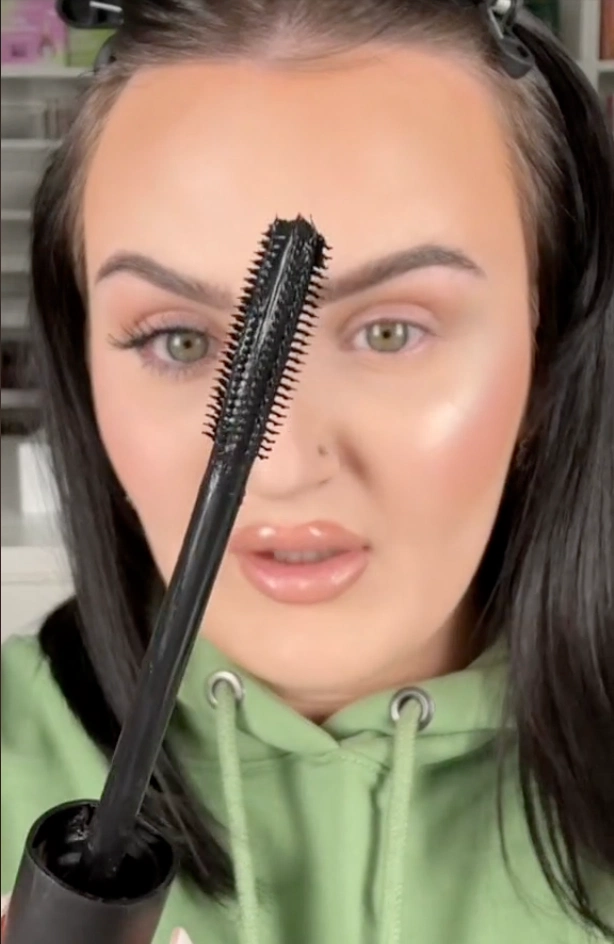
301,583
311,536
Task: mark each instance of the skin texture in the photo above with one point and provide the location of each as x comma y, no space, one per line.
384,150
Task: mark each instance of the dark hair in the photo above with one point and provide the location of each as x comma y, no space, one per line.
546,583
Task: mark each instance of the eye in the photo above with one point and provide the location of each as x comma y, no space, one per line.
176,350
183,346
389,336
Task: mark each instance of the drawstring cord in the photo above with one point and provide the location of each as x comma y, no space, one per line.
411,710
225,692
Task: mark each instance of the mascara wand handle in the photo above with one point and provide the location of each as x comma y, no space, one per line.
175,632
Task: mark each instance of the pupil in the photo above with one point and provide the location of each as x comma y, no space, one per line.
187,346
388,335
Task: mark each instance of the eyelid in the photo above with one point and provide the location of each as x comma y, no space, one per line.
172,319
405,311
161,322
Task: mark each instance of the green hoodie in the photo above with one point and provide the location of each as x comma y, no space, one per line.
365,830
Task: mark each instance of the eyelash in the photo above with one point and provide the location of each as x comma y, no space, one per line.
140,339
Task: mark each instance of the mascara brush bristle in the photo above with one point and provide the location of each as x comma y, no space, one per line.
268,339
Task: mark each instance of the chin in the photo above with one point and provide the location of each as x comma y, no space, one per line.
313,655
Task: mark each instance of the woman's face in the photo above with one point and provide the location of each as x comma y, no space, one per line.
403,424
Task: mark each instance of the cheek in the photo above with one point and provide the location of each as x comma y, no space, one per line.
156,445
447,470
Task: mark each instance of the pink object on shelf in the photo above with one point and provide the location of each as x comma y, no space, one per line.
20,45
32,32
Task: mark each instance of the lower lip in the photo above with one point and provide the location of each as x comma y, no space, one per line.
304,583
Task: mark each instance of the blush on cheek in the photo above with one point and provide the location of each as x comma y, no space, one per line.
469,465
159,466
452,459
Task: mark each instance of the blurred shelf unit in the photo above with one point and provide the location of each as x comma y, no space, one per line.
37,106
38,103
35,572
586,28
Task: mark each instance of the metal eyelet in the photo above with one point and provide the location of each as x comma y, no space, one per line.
228,678
427,705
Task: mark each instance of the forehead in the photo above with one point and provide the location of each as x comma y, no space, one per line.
381,149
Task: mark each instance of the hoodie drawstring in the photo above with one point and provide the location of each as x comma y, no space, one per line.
411,711
225,694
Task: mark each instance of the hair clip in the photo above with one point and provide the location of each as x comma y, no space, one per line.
94,14
516,58
90,14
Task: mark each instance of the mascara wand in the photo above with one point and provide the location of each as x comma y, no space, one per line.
84,860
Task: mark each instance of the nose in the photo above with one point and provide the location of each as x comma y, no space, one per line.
305,454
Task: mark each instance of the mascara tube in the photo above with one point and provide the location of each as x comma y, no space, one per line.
51,903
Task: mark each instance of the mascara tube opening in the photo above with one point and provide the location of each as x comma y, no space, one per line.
52,899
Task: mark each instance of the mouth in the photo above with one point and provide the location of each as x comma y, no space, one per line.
310,564
301,557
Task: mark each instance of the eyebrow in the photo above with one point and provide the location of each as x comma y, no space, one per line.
358,280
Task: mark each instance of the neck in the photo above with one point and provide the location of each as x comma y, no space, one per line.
449,651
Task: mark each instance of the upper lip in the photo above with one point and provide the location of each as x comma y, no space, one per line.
311,536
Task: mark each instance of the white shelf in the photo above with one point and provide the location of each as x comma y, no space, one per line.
44,72
16,216
28,144
36,535
14,314
35,572
597,69
31,545
14,265
19,399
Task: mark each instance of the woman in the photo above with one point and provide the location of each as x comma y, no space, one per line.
417,606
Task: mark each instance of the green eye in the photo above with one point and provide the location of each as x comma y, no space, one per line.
187,347
389,337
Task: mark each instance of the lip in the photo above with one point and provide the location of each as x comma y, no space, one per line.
307,583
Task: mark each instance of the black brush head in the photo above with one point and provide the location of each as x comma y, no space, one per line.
268,339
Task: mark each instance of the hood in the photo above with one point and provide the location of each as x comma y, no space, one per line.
230,713
467,707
